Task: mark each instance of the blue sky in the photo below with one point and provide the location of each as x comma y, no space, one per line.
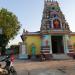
29,13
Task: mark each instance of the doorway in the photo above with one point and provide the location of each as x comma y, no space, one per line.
57,44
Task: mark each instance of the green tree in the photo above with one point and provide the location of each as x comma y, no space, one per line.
10,26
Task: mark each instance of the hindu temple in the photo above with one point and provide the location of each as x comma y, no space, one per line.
54,37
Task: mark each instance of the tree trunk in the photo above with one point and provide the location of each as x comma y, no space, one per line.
3,50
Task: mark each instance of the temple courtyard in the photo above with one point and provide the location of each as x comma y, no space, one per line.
51,67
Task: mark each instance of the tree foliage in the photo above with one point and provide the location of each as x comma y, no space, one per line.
9,24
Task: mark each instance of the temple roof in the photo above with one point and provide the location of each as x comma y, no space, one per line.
31,33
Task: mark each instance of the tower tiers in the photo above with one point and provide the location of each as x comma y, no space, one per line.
53,20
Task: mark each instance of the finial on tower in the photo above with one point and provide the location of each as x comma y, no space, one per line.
49,0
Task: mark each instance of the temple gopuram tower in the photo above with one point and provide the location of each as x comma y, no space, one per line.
55,31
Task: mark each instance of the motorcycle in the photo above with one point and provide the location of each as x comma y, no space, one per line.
10,71
3,71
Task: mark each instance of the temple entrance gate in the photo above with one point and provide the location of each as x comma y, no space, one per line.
57,44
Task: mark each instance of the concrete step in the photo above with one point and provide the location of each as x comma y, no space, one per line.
61,57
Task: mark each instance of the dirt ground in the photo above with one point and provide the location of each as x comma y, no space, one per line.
63,67
52,64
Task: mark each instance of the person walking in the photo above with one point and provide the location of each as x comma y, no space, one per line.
12,59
